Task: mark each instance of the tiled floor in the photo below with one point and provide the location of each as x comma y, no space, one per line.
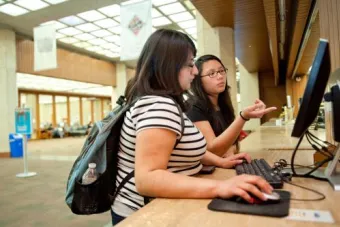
39,200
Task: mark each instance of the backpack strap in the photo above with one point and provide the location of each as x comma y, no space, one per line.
131,174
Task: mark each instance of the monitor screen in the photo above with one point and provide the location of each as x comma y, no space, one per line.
314,91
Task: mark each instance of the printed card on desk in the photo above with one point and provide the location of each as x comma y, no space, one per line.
310,215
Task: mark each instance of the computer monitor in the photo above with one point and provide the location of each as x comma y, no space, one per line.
313,95
314,91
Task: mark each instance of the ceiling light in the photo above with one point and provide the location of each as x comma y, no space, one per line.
155,13
112,55
109,46
82,44
69,40
93,48
194,12
160,21
88,27
13,10
172,8
84,36
101,33
189,5
181,17
106,23
110,11
97,41
162,2
70,31
58,35
72,20
31,4
191,31
54,2
57,24
116,30
91,15
187,24
117,18
113,38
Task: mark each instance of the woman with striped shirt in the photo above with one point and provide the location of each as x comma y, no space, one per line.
164,168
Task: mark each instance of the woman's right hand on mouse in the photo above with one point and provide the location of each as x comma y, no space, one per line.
242,185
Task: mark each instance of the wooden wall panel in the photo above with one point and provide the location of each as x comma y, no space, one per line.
298,89
271,95
303,7
71,66
310,50
270,8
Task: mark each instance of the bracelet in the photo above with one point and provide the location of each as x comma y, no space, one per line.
245,119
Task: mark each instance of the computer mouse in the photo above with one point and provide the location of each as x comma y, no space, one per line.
271,198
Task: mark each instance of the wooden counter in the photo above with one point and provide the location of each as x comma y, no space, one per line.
194,212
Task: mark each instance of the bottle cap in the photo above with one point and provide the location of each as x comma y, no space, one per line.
92,165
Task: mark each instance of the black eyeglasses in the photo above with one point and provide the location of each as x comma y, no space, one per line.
222,72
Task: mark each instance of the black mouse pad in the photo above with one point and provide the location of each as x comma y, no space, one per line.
280,209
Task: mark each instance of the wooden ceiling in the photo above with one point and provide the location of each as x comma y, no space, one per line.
257,32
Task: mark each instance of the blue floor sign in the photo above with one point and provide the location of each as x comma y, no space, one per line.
23,121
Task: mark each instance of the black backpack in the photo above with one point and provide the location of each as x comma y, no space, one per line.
101,147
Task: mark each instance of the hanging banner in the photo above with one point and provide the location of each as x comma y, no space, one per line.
136,28
45,49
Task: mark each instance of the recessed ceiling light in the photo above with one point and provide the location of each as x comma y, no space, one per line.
69,40
91,15
113,55
71,20
160,21
172,8
97,41
155,13
70,31
13,10
84,36
112,38
191,31
181,17
109,46
54,2
162,2
106,23
117,18
82,44
187,24
101,33
58,35
93,48
57,24
116,29
110,11
31,4
88,27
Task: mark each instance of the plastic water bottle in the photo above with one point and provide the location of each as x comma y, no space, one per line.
90,175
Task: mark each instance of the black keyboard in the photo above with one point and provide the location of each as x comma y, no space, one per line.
261,168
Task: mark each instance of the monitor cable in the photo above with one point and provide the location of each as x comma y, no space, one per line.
308,173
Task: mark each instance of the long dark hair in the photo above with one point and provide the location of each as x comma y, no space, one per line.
201,96
163,55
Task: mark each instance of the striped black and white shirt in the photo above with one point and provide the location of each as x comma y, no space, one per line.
155,112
